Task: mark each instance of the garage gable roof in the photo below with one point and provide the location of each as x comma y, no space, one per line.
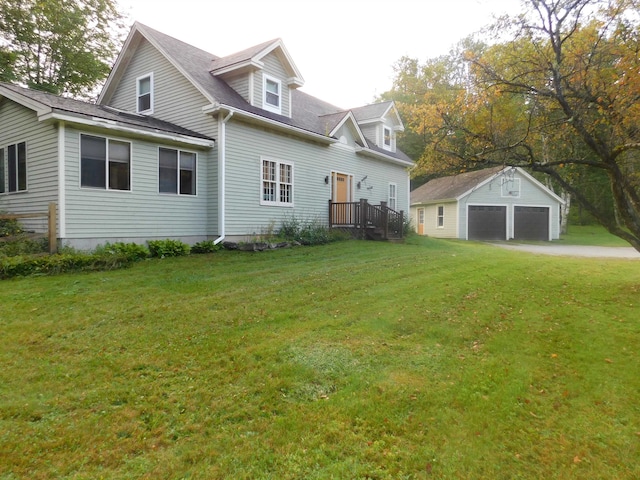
456,187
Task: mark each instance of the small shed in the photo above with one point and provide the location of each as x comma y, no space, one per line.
499,203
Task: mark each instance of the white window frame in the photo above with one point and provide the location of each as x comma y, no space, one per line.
4,158
439,216
151,94
106,164
388,147
277,182
392,200
178,170
266,105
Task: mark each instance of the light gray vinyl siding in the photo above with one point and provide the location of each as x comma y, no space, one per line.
241,84
175,99
530,195
20,124
273,68
141,213
370,132
247,145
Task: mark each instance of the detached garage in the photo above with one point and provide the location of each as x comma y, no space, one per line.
500,203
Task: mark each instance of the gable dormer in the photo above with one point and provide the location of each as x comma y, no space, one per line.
263,75
380,123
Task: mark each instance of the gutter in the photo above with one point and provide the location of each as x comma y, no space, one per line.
222,164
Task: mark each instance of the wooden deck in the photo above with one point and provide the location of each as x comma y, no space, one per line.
366,221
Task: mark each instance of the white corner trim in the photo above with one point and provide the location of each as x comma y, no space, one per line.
62,201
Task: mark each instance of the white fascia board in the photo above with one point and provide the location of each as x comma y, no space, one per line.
121,62
349,116
216,107
381,156
172,62
533,180
248,65
39,108
278,44
112,125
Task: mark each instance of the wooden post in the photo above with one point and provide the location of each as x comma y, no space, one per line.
330,214
53,241
385,219
401,223
363,218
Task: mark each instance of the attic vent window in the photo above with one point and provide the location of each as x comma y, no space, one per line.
272,95
144,94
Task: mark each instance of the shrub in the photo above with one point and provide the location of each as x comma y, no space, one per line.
132,251
205,246
23,245
9,227
313,232
51,264
168,248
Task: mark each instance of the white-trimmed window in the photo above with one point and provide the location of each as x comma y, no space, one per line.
144,94
277,183
105,163
440,217
13,168
393,196
272,100
176,172
510,186
387,138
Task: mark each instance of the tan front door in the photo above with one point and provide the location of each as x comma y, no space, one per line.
340,195
421,221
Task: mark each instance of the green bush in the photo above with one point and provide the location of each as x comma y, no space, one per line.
312,232
133,251
22,245
9,227
22,265
168,248
205,246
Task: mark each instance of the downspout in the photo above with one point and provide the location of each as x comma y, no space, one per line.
222,165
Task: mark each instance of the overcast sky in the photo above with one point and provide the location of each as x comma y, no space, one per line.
344,49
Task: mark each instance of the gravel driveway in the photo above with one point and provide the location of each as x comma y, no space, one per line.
574,250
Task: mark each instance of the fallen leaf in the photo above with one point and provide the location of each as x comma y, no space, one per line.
554,355
608,360
576,459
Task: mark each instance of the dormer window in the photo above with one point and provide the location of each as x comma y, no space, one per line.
272,95
144,94
387,141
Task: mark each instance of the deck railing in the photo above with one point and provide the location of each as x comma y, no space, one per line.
367,219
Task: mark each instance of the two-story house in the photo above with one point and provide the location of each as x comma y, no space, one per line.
184,144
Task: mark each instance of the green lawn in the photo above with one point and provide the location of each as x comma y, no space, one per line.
592,235
356,360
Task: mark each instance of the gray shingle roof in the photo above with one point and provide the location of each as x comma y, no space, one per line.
449,188
306,112
89,110
240,57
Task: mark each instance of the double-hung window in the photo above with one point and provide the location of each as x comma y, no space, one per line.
277,183
13,176
144,94
393,196
272,95
387,138
105,163
176,172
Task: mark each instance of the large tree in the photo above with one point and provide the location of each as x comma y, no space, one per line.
60,46
557,92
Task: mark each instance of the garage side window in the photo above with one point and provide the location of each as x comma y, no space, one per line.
440,218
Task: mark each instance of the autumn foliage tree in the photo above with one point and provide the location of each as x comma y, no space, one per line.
557,91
